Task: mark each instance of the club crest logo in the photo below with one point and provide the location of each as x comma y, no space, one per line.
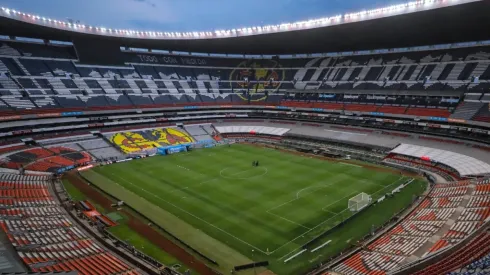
131,142
170,136
262,76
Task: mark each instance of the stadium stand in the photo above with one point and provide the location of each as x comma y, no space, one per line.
434,215
47,88
45,159
200,132
483,114
479,267
252,130
477,248
445,172
134,141
462,164
434,90
45,238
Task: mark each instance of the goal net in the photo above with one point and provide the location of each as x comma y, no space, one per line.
359,201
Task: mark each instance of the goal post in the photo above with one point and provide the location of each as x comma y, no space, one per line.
359,201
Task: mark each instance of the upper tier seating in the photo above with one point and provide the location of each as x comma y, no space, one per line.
252,130
384,83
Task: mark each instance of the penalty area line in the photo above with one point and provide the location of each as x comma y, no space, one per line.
323,208
320,224
293,222
323,186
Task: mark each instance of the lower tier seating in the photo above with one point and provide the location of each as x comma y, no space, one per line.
477,267
477,248
45,239
483,114
445,210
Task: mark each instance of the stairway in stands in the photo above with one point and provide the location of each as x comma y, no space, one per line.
483,115
467,110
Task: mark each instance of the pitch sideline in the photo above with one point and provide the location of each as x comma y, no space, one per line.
190,214
244,242
322,224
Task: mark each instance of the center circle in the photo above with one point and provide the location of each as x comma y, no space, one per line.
242,175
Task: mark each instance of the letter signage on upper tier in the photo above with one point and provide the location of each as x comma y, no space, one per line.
170,60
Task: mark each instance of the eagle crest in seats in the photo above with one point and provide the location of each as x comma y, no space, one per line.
262,75
170,136
132,142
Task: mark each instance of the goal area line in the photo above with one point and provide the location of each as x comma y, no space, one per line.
266,252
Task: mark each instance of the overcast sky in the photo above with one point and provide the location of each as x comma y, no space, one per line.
190,15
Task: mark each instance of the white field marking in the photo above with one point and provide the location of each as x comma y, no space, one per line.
373,183
349,133
179,190
293,222
182,155
190,214
297,193
319,226
267,253
187,187
328,211
231,176
343,163
294,256
323,208
277,206
350,194
182,167
208,181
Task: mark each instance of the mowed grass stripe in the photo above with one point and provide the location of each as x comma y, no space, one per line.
209,209
220,206
273,208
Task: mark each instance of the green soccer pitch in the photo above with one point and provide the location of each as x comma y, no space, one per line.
218,203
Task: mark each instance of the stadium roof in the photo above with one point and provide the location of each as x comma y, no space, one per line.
434,22
465,165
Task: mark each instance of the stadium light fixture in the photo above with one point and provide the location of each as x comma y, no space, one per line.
298,25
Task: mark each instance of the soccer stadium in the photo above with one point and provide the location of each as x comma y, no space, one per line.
356,144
